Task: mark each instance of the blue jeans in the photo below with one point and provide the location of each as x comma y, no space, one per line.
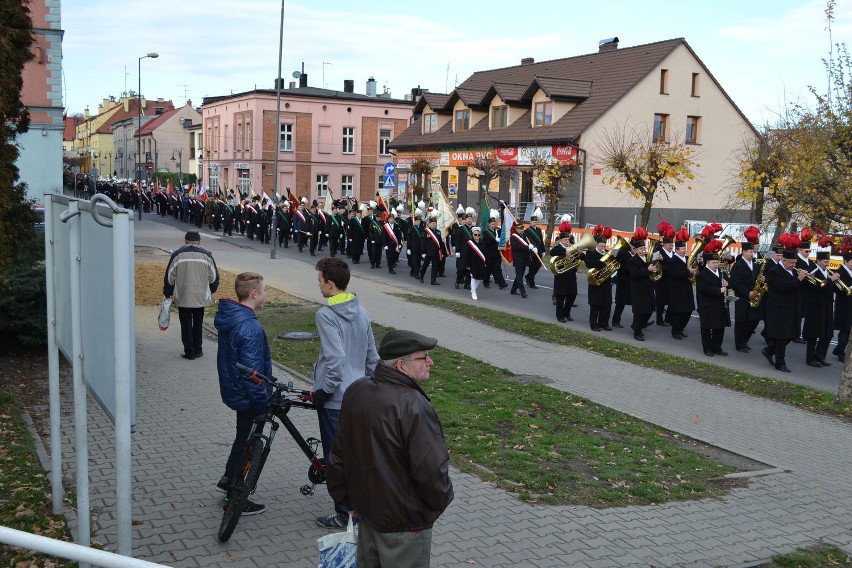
328,421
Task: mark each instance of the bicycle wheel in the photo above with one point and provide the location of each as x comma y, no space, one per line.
243,485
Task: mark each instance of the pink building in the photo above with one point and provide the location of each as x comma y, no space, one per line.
337,140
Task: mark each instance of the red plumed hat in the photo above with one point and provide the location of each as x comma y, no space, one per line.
564,229
806,234
638,238
598,230
682,237
607,232
712,247
752,234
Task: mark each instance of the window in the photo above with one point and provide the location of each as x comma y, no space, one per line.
384,142
247,147
661,124
322,185
286,138
695,84
226,137
346,185
348,140
243,181
499,117
381,184
213,180
240,142
664,81
430,123
543,114
462,120
692,129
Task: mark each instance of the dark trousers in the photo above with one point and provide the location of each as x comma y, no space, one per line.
190,330
599,315
678,321
662,315
415,262
535,266
564,302
743,330
817,349
245,420
842,340
616,314
301,240
639,321
778,348
518,284
435,267
711,339
392,257
494,268
328,421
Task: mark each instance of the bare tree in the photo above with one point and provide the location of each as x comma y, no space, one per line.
489,168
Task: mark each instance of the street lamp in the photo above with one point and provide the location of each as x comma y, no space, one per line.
152,55
179,160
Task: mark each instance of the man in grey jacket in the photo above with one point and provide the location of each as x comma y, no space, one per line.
191,279
347,352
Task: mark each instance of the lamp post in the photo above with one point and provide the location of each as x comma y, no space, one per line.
152,55
272,253
179,161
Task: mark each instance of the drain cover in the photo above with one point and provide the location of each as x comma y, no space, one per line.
298,335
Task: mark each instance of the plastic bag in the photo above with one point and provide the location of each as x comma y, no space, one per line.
339,550
165,314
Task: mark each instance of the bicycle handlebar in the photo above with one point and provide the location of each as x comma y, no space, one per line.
275,382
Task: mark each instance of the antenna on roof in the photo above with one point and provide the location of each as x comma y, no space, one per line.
447,79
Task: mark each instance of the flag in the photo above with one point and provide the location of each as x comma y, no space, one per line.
156,185
381,202
506,232
329,199
202,193
484,214
171,189
446,216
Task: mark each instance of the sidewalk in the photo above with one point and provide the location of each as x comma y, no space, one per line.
184,432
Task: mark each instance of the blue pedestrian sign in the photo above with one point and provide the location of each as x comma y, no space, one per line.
390,182
390,169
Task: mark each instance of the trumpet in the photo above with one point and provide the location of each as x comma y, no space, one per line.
841,285
818,282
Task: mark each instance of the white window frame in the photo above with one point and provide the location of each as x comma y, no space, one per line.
322,185
348,139
347,185
384,141
285,131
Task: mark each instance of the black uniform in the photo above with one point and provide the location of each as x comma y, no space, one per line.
746,318
818,328
392,243
681,295
712,310
641,294
782,313
356,234
622,285
564,286
536,239
600,297
415,247
433,252
494,260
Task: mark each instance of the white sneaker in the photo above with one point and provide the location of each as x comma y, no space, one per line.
473,295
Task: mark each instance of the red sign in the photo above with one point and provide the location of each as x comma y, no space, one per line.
597,171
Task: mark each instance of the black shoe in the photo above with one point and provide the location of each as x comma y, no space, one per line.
573,305
769,356
663,324
677,336
199,354
467,286
457,285
708,353
638,337
722,353
841,358
569,318
595,328
824,363
682,334
188,357
606,328
523,294
391,270
782,368
742,350
312,254
747,348
421,279
487,285
799,340
647,325
514,292
814,364
503,286
618,325
533,286
434,283
561,320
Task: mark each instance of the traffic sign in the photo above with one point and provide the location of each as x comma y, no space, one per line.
389,169
390,182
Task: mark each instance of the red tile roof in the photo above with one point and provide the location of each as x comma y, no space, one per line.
154,123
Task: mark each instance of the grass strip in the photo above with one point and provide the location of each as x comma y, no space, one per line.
818,556
25,502
780,391
538,442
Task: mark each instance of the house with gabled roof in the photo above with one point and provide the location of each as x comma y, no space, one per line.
567,108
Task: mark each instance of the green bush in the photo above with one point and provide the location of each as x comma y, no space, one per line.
23,307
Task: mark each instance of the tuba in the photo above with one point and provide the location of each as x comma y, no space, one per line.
598,276
649,258
692,260
571,260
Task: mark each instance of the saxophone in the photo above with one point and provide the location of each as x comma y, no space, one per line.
760,287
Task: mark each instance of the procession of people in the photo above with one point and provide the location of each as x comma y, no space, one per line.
664,283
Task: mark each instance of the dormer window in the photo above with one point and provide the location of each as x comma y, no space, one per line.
430,123
499,117
462,120
543,114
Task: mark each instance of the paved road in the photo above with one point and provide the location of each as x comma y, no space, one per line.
184,432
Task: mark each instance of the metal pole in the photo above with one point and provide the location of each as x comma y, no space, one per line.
122,283
273,252
57,490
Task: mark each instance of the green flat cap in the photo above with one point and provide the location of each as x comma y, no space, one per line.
399,343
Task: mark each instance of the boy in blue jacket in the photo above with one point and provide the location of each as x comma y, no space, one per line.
242,340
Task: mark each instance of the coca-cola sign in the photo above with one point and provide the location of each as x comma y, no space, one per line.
526,155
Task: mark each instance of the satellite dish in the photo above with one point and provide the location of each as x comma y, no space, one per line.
296,74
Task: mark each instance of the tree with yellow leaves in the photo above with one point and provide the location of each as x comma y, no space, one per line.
635,163
549,177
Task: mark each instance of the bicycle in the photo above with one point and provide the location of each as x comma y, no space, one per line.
282,399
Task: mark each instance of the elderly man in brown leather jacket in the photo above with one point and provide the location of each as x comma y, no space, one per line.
389,462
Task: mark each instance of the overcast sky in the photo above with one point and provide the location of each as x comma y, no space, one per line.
763,52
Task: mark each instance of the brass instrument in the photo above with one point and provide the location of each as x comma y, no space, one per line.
598,276
655,246
841,285
759,289
818,282
571,260
692,259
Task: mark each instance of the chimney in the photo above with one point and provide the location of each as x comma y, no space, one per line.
279,83
608,44
527,61
371,87
303,80
348,85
